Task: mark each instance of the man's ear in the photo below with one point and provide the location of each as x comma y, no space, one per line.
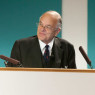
57,31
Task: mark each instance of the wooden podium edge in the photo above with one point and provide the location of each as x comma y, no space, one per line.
48,70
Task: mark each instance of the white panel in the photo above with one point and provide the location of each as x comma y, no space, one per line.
46,83
74,29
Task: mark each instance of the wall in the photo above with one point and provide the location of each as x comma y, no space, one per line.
74,14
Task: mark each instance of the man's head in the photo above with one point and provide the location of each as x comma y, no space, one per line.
49,26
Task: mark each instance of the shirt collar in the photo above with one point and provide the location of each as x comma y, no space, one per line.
42,44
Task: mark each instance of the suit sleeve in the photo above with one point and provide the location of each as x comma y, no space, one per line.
15,54
71,57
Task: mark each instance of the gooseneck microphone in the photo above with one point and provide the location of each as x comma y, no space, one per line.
85,56
11,60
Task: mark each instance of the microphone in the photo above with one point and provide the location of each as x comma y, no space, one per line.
85,56
11,60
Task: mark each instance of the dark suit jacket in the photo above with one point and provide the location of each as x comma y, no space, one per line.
28,52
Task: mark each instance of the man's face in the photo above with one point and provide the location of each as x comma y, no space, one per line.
47,28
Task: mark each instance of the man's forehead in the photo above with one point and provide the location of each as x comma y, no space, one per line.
48,16
48,21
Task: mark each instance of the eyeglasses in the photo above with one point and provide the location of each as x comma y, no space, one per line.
47,27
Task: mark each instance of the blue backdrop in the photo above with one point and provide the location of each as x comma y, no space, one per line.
18,20
91,31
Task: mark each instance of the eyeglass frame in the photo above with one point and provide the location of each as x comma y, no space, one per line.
47,27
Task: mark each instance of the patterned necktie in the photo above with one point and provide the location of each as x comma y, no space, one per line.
46,54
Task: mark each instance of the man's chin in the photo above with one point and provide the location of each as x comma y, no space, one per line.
43,40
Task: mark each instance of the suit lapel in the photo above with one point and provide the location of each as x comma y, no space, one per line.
36,55
57,52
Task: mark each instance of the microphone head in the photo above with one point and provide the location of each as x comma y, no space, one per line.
11,60
85,55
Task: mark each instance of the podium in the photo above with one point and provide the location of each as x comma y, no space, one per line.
43,81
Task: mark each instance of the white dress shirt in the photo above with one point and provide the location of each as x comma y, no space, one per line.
42,46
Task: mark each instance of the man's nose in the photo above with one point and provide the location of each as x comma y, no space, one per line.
43,28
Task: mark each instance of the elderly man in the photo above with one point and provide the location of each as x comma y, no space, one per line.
45,50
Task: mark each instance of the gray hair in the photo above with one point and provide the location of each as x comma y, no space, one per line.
59,24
